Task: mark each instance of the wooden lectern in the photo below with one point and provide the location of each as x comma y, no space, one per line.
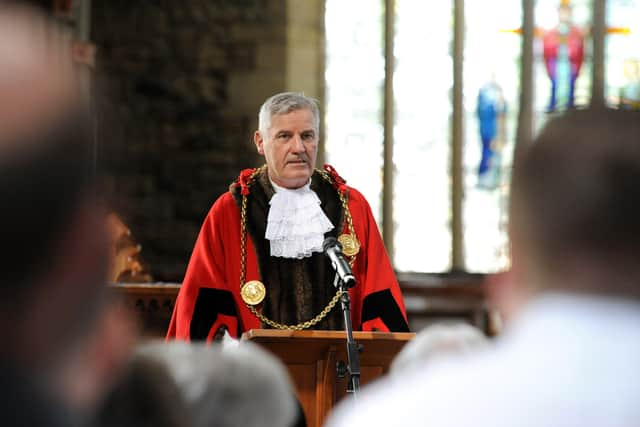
312,356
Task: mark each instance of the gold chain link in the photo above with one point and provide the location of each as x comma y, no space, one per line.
243,258
345,208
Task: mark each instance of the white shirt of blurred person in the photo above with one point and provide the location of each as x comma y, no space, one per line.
570,356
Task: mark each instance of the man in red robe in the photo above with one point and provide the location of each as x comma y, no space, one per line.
258,259
563,56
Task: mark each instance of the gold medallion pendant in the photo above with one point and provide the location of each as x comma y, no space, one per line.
253,292
350,245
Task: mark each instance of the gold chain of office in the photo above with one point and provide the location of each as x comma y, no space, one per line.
243,257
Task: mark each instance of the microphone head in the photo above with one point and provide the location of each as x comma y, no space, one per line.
331,242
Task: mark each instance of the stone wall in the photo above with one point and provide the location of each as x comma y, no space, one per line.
180,84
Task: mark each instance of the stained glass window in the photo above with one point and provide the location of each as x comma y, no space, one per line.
354,92
562,56
623,53
491,87
422,82
422,105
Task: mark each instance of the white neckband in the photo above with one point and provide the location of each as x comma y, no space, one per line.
296,223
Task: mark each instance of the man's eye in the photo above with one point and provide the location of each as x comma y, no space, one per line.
283,136
307,136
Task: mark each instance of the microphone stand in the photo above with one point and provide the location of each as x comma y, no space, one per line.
353,348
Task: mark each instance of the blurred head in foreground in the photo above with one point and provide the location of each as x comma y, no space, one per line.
575,206
53,264
228,386
144,395
52,271
436,341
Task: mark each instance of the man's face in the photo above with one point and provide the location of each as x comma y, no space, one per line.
290,148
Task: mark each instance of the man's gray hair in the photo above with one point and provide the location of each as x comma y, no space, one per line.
226,385
284,103
436,341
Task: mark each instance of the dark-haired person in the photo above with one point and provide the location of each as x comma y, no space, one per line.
53,259
569,356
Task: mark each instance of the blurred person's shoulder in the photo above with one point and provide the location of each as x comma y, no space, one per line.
554,365
433,395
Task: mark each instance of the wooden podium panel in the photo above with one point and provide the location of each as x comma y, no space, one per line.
311,358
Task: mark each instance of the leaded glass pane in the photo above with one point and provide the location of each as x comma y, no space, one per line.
623,54
354,94
491,89
562,54
423,83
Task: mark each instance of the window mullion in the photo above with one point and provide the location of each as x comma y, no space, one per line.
457,123
598,34
388,122
525,114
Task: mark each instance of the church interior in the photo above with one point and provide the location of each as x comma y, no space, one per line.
404,94
424,107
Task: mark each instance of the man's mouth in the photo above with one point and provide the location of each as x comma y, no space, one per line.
297,162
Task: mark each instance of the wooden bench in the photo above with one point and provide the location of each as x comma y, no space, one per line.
428,299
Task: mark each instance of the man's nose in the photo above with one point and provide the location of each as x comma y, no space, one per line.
297,145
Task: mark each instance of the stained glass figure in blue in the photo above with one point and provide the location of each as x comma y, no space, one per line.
490,109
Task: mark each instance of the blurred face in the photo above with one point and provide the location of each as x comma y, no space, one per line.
290,148
38,82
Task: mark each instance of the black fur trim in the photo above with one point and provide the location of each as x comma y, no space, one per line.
382,304
209,304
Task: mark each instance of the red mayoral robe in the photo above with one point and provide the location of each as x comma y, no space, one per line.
209,300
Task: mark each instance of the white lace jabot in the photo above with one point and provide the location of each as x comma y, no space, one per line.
296,224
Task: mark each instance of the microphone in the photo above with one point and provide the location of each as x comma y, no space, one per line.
333,249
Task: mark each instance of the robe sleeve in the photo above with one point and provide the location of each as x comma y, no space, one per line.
377,302
205,302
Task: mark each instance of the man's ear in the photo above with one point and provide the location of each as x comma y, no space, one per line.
257,139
